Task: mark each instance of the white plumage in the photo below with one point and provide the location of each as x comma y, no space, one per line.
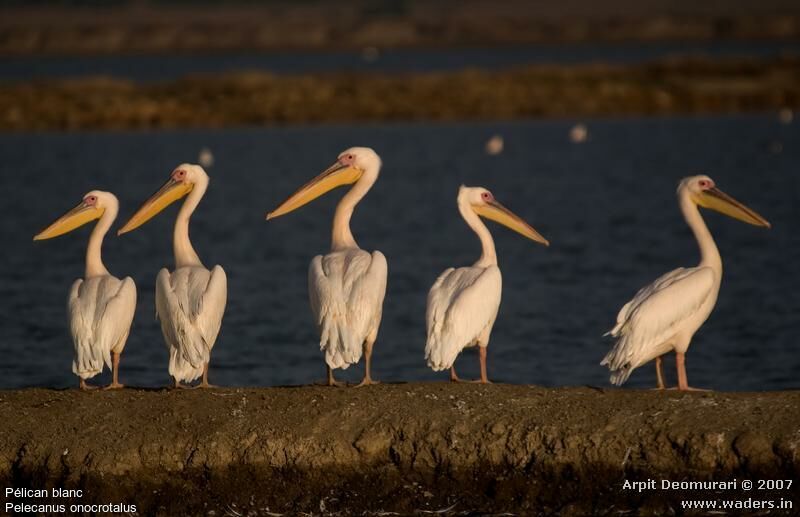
661,317
346,287
190,303
101,310
665,315
346,290
100,306
462,307
463,302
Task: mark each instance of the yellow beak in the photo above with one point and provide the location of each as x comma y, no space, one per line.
75,218
170,192
500,214
334,176
717,200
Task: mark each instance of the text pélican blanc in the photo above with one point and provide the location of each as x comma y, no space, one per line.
19,506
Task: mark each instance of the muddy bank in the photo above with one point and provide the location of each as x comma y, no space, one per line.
142,27
237,99
399,448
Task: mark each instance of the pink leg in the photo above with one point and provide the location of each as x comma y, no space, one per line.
84,386
114,372
204,383
332,381
453,376
484,379
367,366
683,383
659,373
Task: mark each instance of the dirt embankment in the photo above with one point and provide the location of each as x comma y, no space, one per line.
665,87
395,448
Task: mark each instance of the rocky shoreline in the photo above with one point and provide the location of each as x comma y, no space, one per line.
672,86
402,448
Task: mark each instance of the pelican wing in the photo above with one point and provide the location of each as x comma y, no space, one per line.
190,303
462,303
645,292
346,291
101,312
647,323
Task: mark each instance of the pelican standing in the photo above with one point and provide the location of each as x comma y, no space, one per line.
346,287
664,315
100,306
190,301
463,303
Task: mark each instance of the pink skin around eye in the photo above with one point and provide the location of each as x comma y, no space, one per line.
90,200
347,159
179,174
486,196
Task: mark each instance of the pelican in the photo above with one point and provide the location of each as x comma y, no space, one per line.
100,306
346,287
664,315
463,302
190,301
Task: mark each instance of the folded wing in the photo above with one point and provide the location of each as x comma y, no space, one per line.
654,316
346,291
462,303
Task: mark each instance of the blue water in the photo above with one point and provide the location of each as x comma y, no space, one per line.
164,67
608,207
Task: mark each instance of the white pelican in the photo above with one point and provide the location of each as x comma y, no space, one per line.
664,315
190,301
346,287
463,303
100,306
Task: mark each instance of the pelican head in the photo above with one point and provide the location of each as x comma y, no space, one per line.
349,167
702,191
93,205
483,203
181,181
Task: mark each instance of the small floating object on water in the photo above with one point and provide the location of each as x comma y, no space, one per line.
205,158
578,134
786,115
494,145
370,54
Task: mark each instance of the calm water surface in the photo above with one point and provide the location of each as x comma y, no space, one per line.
608,207
164,67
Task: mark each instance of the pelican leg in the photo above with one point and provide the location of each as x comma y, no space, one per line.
683,383
115,384
484,379
86,387
204,383
333,382
453,376
367,366
659,373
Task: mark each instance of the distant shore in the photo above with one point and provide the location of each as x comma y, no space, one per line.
395,448
669,86
158,27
